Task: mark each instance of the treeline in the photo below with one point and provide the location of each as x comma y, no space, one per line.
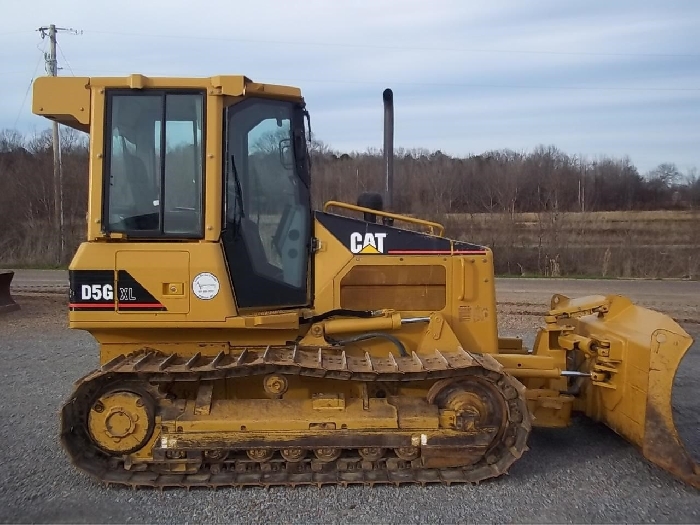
27,226
543,213
504,183
546,179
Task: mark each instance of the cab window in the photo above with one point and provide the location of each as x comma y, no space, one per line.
154,163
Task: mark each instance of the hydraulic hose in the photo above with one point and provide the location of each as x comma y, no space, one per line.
342,312
371,335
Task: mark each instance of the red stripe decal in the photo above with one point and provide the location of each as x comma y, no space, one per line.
436,252
91,305
111,305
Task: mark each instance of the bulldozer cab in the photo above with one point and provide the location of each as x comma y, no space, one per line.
160,140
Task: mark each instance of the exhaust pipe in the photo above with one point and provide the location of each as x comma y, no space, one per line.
388,96
7,304
374,201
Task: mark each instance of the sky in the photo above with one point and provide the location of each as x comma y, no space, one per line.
592,77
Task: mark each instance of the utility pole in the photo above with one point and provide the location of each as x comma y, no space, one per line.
52,70
57,171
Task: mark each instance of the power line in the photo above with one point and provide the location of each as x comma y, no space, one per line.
24,100
65,59
17,32
348,45
303,81
496,86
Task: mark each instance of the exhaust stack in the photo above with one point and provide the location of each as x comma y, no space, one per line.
388,96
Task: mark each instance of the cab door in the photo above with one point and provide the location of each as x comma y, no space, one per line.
267,233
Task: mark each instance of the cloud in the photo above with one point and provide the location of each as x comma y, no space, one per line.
589,76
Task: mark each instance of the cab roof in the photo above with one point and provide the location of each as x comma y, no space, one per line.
67,99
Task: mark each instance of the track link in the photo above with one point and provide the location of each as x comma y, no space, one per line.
149,369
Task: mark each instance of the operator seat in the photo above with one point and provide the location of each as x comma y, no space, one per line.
256,250
144,194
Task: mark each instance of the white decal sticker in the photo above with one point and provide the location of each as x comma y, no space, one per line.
205,286
367,243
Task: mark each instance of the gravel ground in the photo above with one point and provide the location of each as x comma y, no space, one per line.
585,473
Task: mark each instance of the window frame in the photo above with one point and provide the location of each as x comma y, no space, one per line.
107,161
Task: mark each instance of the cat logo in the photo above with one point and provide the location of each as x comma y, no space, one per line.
367,243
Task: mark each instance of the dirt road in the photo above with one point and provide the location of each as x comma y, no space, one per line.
680,299
40,280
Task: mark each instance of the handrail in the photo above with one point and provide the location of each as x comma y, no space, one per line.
432,226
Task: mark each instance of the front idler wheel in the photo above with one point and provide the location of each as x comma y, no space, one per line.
121,421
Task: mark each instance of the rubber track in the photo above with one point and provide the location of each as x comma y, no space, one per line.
149,367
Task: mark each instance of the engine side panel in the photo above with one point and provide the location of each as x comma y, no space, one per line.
371,266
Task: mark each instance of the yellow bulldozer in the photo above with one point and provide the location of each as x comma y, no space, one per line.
248,339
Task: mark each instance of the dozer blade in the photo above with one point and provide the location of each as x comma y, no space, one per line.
636,354
7,304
